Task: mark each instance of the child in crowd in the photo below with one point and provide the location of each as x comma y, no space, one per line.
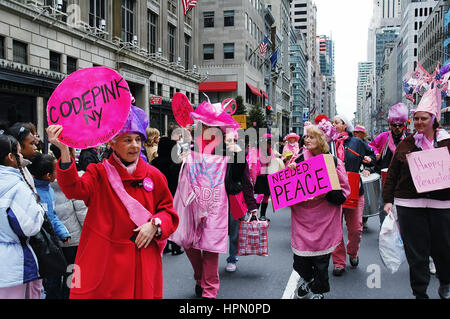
43,169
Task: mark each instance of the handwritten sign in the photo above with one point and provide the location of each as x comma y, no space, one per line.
309,179
92,105
430,169
181,108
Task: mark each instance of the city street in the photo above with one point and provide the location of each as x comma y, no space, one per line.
272,277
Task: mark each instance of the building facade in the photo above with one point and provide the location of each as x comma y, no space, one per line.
150,43
300,109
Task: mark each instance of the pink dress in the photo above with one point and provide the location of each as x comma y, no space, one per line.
316,227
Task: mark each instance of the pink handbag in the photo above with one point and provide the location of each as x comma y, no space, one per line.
253,239
238,207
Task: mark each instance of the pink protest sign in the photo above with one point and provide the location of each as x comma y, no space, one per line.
430,170
309,179
181,108
92,105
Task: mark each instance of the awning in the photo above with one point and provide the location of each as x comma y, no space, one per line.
229,86
265,94
254,90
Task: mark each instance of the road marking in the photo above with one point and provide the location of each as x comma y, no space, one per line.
289,292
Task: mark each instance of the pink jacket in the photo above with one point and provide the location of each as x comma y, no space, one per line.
379,142
316,227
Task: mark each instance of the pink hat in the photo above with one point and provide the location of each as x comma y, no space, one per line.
431,102
398,113
360,128
292,135
137,122
214,115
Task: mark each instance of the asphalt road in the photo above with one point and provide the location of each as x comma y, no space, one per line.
272,277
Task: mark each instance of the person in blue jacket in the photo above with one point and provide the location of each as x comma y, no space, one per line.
21,217
43,170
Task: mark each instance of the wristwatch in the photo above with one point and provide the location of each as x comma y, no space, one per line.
157,222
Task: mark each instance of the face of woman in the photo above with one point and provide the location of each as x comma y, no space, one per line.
339,125
422,122
28,147
127,146
311,143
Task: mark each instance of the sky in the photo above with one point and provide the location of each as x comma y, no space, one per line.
347,22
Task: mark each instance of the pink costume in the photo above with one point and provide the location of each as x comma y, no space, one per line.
316,227
202,203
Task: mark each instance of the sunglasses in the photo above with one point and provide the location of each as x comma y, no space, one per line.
397,124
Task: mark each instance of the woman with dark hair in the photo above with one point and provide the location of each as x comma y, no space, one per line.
28,148
21,217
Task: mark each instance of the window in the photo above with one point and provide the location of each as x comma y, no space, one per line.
228,50
20,52
127,20
208,52
71,65
61,8
300,20
246,21
152,28
152,88
208,19
228,18
300,5
96,13
55,61
171,38
415,38
171,92
193,98
187,51
160,90
2,47
172,5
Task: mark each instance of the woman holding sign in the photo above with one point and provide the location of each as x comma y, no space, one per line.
130,216
423,214
316,223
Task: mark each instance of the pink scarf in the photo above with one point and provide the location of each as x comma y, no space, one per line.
391,143
138,213
340,150
421,141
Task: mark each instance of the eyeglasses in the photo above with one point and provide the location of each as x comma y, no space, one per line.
397,124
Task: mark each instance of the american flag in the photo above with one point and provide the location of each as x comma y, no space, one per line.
263,46
188,5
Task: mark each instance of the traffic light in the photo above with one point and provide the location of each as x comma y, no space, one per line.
268,110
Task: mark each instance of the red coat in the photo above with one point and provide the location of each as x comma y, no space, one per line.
108,263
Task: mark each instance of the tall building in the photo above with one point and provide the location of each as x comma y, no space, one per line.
415,13
383,36
432,37
365,69
300,109
326,52
152,44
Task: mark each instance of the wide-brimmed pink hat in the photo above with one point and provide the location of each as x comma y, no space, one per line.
214,115
360,128
398,113
292,135
431,102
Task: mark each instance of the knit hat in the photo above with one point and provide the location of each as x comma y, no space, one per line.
137,122
398,113
292,135
321,117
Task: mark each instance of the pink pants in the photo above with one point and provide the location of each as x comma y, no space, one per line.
31,290
206,270
353,220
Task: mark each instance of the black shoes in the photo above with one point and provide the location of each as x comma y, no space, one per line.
198,291
338,271
354,261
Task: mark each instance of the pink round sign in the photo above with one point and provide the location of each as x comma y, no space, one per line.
148,184
181,108
92,105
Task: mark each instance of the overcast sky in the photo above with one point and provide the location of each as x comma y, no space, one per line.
347,22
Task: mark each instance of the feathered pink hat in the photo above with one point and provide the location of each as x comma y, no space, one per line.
215,115
431,102
292,135
398,113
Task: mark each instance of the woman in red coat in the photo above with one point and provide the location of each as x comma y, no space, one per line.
130,216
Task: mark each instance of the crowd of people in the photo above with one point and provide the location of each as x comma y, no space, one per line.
119,207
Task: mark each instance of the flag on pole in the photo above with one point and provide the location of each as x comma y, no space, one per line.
274,58
263,46
188,5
